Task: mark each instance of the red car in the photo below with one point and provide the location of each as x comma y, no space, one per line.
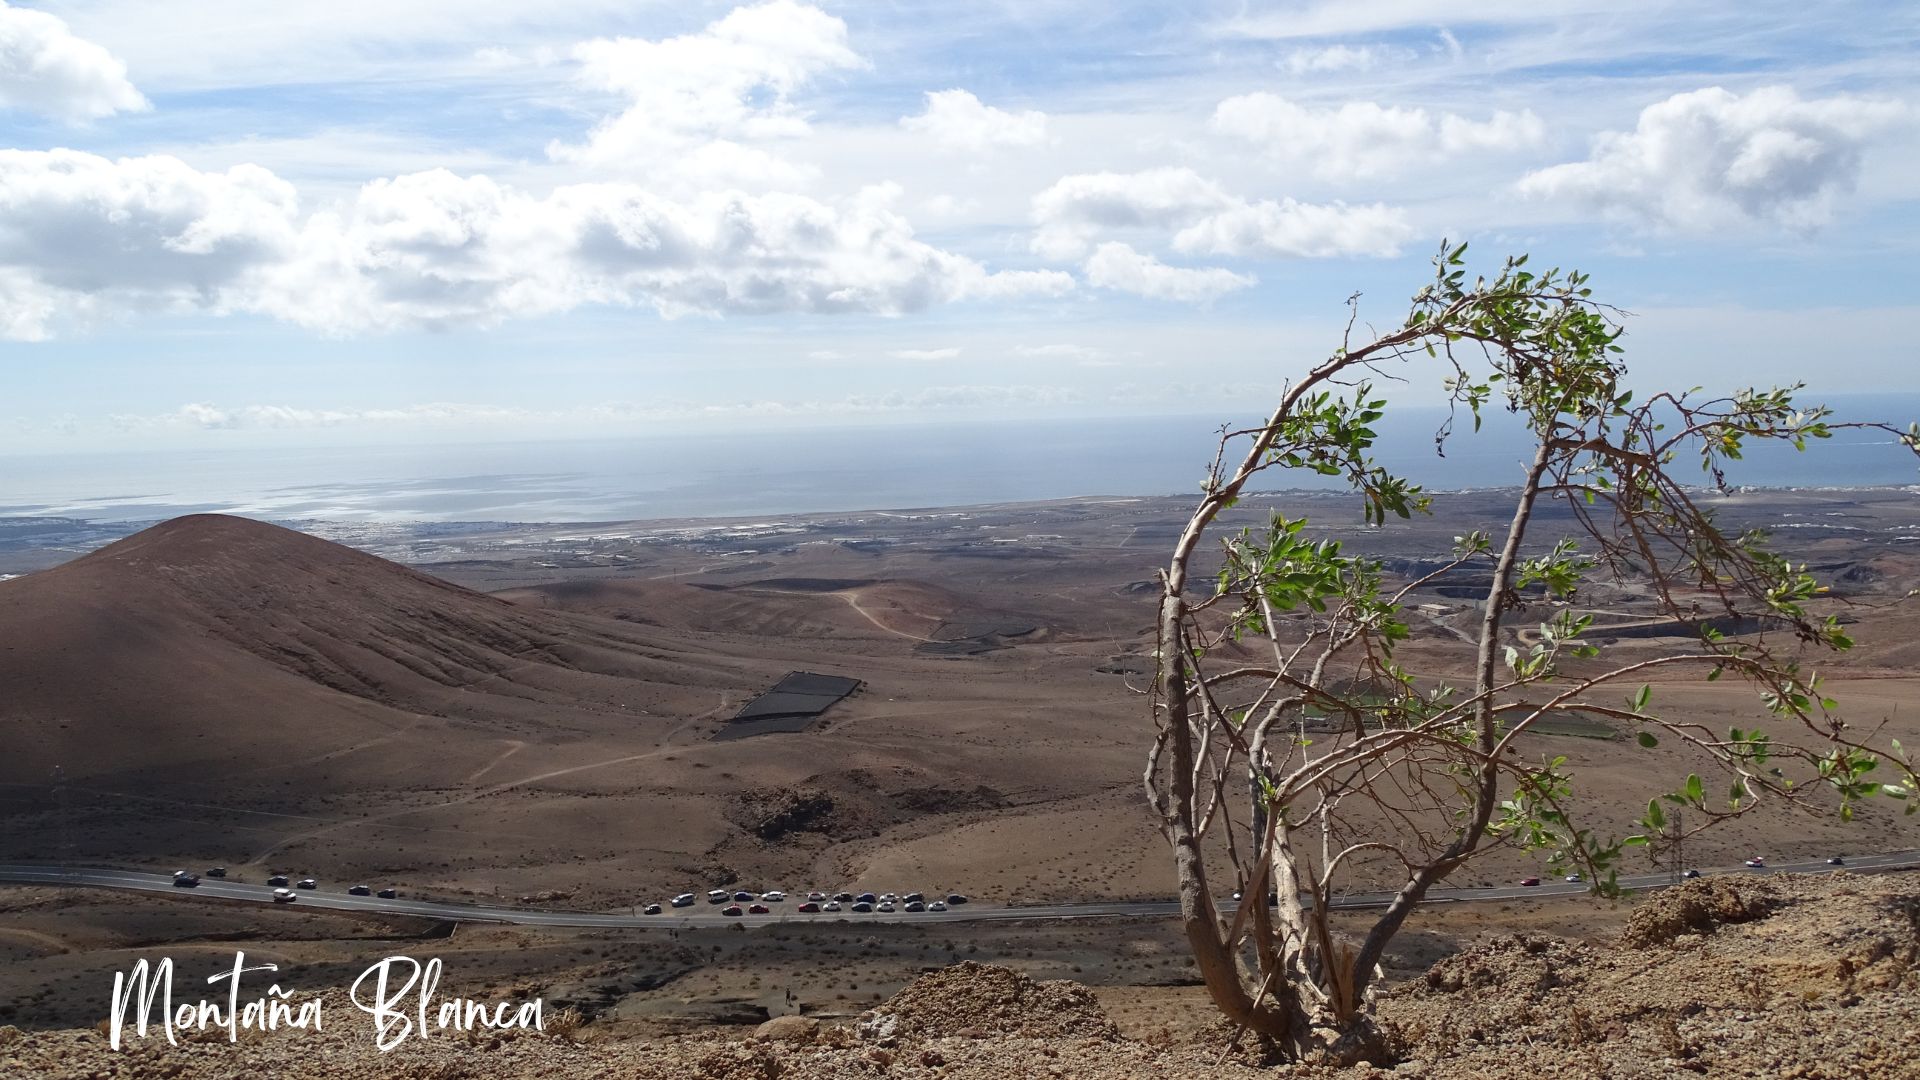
1529,882
757,909
731,910
809,907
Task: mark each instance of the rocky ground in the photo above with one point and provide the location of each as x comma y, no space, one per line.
1812,978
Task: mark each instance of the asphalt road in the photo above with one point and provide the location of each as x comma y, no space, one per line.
703,915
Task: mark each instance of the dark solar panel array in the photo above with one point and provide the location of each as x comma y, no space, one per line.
793,704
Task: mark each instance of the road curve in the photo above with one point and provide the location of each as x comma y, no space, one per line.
705,916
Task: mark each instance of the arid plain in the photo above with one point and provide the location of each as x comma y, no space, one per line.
528,713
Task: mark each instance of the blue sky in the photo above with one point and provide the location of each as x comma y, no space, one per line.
226,223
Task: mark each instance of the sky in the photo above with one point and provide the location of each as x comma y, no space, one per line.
225,223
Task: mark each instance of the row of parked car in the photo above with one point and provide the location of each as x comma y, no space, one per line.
746,903
282,893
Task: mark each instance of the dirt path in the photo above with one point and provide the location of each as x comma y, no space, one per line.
514,746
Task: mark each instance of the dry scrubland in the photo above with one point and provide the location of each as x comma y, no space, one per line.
528,713
1750,978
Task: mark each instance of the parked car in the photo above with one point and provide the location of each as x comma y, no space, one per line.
743,897
651,909
866,898
914,898
916,905
388,893
843,897
773,896
284,896
889,898
359,890
719,896
685,899
955,899
732,911
883,907
306,883
216,871
863,907
277,880
809,907
817,897
758,909
1529,882
831,905
937,905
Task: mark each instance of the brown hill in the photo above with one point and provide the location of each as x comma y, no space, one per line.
207,642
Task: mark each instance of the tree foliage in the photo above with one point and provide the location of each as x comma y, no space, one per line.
1293,747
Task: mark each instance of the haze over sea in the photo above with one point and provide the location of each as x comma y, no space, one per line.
787,472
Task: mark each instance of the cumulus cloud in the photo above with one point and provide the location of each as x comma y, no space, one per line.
697,103
1711,158
924,354
45,69
959,121
1119,267
1364,139
82,236
1206,219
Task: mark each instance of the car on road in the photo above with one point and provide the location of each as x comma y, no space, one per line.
359,890
1529,882
388,893
651,909
216,871
843,897
306,883
954,899
685,899
831,905
719,896
1574,879
184,880
1836,861
1758,862
866,898
284,896
277,880
732,911
863,907
773,897
937,905
810,907
916,905
743,897
758,909
1691,873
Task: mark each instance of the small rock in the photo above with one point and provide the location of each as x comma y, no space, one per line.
882,1058
932,1059
797,1029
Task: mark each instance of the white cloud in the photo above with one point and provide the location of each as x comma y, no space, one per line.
1364,139
1712,158
957,120
1292,229
83,236
924,354
1335,58
696,103
45,69
1206,219
1117,266
1061,351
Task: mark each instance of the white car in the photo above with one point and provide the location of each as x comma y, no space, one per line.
284,896
772,897
884,907
831,905
719,896
937,905
685,899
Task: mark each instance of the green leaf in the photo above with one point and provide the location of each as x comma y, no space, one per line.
1647,740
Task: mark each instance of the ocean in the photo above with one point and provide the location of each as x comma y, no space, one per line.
769,472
